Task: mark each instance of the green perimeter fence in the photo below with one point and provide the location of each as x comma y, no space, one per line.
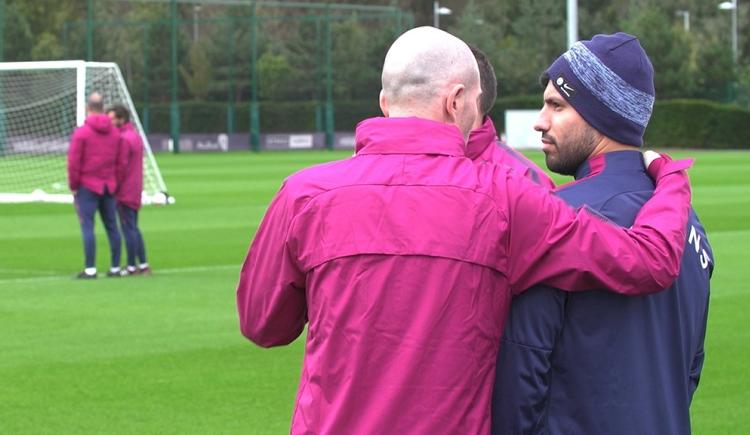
243,66
302,60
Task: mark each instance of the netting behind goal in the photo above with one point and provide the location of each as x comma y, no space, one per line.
41,103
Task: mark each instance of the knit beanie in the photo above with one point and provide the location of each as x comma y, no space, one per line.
609,80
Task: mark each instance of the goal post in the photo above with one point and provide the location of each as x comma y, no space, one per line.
41,103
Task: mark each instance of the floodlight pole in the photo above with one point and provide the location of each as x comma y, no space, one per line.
572,22
732,5
437,11
685,14
196,9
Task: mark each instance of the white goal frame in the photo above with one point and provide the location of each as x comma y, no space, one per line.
80,68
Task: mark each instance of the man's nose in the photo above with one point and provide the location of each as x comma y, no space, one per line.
541,123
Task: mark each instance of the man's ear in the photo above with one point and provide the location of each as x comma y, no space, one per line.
383,103
454,102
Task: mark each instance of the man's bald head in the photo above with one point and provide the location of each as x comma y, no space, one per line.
421,69
95,103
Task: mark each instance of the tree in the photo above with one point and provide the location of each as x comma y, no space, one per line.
715,73
38,28
668,48
197,75
352,47
276,76
18,36
533,36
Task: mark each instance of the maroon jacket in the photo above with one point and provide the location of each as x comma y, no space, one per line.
131,181
484,146
94,155
402,261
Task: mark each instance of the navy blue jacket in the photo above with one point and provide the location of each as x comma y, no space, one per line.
595,362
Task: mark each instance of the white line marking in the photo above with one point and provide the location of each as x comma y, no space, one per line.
156,272
28,271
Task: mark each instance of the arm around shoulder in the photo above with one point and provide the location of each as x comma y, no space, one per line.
580,250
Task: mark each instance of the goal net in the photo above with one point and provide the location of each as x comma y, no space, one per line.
41,103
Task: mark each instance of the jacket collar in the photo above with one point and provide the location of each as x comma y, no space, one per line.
616,161
481,138
408,136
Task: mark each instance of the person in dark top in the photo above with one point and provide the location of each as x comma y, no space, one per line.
595,362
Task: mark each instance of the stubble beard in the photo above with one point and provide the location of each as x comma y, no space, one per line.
570,154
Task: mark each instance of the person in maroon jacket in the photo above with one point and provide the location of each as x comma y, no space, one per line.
129,191
483,145
93,162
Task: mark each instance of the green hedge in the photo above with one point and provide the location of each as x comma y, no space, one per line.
286,116
275,117
698,124
211,117
349,113
675,123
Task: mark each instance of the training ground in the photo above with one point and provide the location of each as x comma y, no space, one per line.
163,354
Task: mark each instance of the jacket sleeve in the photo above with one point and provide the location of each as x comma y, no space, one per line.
75,154
522,380
271,291
552,243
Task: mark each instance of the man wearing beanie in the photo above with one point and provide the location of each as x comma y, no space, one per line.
400,261
595,362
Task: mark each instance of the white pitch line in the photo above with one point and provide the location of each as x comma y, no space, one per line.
29,271
156,272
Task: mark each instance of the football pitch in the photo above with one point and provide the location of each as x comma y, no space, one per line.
163,354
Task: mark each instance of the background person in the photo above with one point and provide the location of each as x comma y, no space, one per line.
93,159
596,362
404,257
484,145
130,190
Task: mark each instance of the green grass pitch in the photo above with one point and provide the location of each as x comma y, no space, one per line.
163,354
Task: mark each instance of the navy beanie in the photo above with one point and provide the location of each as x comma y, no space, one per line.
609,80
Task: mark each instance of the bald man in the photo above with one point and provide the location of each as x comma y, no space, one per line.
402,259
94,159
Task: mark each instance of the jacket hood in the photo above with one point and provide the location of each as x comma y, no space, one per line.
99,122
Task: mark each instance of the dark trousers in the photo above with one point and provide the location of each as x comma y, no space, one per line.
133,239
87,203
